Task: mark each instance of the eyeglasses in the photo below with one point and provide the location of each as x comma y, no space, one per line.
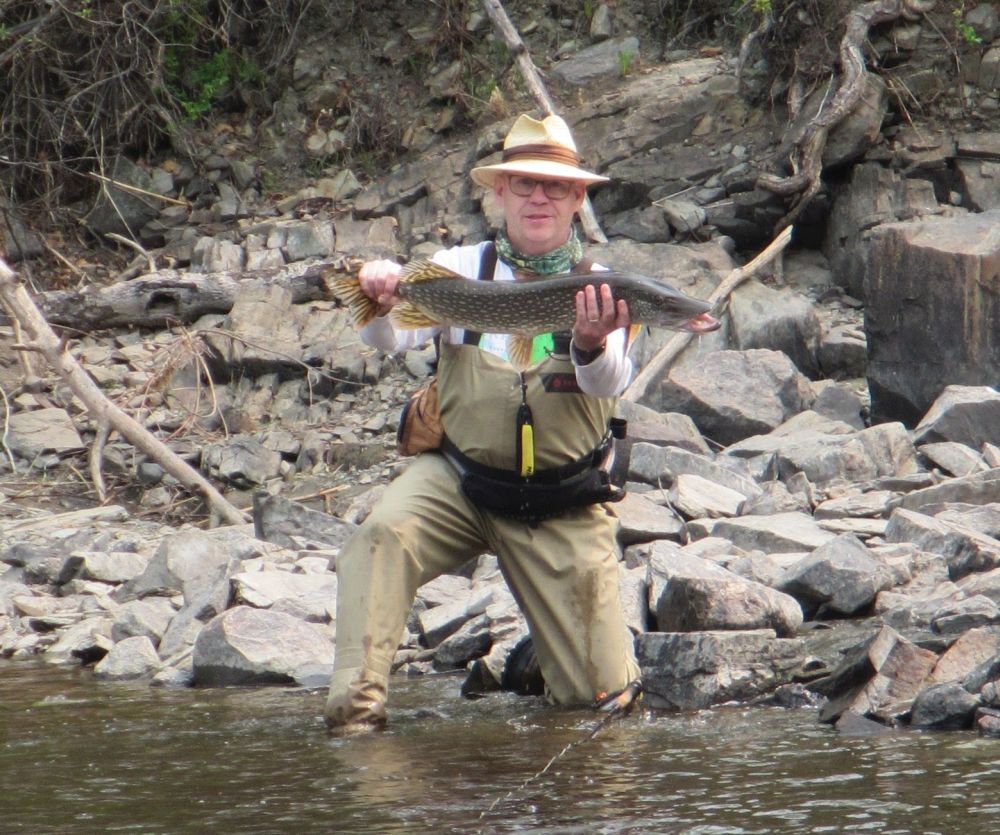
525,186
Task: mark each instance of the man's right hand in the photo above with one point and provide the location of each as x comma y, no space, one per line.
379,280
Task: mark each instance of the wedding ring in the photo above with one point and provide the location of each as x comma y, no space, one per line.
593,318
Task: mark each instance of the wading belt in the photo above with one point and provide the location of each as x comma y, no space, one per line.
545,493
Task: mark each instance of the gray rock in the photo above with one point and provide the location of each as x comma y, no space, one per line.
130,658
690,604
777,320
30,434
779,533
965,550
191,563
149,618
659,466
878,679
732,395
642,520
309,596
693,670
606,59
943,707
288,523
926,274
255,646
841,577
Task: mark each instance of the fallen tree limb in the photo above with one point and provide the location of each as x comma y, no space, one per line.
806,156
533,81
662,358
105,413
172,297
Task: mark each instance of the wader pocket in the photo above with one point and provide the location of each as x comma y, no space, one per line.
420,422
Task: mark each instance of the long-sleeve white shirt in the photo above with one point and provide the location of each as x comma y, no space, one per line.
607,376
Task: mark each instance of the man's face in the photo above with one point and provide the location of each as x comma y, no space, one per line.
538,211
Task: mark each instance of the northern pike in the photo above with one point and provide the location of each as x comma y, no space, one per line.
434,295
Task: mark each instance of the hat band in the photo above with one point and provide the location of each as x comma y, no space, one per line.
549,153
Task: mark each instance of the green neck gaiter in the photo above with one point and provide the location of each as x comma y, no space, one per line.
559,260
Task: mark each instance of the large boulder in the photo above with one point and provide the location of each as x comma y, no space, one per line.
932,307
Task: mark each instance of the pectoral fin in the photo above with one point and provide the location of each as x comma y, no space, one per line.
406,316
519,350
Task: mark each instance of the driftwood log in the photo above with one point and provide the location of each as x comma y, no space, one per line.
107,415
536,87
171,297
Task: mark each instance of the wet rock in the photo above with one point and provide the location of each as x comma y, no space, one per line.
878,679
943,707
972,649
693,670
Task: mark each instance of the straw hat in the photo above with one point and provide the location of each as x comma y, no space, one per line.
538,149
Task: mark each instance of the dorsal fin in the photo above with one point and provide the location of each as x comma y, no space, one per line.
425,270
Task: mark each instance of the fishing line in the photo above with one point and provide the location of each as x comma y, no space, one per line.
616,705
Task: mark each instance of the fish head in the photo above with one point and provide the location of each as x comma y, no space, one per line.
680,312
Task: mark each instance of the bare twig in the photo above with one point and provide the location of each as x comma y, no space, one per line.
6,427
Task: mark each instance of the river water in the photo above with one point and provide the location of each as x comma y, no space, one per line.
81,756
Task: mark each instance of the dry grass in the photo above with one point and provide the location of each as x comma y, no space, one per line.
82,81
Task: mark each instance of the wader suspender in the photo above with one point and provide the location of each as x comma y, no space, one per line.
528,494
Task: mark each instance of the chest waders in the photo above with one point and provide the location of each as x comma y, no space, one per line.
533,444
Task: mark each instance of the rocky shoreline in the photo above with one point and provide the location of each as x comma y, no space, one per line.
812,514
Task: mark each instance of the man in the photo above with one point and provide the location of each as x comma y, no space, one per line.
562,566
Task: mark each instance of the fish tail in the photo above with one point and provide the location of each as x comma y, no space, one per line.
348,290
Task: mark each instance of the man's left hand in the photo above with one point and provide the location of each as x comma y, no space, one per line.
597,315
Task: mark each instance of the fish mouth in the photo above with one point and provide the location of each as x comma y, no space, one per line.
702,323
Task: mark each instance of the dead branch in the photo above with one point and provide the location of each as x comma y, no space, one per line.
806,156
536,87
637,388
45,342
